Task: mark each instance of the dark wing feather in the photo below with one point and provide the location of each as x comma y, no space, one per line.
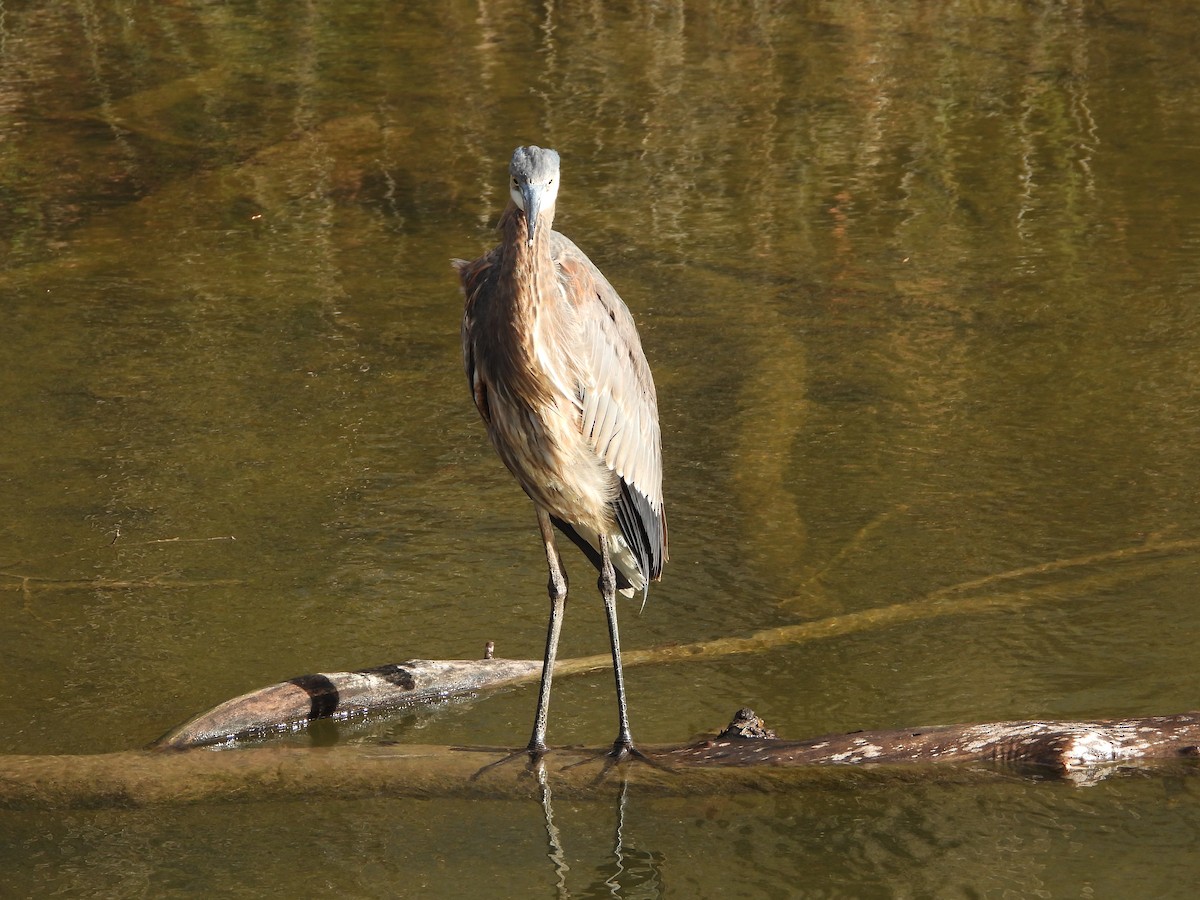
644,529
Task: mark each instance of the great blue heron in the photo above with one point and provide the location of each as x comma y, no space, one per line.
558,374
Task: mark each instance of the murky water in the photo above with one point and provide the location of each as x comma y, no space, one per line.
919,289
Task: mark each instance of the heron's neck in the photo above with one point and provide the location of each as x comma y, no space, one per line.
528,269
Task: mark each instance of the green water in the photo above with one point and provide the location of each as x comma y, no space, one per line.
919,287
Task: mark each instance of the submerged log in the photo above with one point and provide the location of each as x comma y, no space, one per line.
745,756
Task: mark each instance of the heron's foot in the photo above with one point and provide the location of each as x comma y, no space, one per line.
623,750
622,753
531,755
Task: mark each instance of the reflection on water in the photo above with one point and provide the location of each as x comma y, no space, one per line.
916,284
857,837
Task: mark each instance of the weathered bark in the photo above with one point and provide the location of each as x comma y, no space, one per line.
1075,750
743,757
289,704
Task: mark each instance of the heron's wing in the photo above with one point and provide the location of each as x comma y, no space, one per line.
619,407
474,277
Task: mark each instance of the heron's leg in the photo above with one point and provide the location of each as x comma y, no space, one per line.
558,601
608,590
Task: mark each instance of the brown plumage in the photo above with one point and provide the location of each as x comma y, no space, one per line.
557,371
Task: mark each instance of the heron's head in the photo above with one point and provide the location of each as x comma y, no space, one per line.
533,184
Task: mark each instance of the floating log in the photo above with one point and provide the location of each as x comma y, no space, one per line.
291,704
1078,751
745,756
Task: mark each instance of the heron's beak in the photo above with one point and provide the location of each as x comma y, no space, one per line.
532,195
